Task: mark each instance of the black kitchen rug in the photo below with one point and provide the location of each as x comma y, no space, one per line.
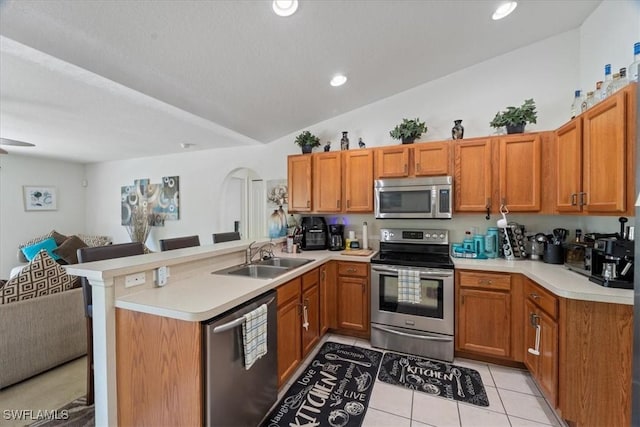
334,390
434,377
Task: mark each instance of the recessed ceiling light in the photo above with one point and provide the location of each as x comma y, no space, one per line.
338,80
285,7
504,9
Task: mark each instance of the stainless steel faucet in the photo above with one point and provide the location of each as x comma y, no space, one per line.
265,251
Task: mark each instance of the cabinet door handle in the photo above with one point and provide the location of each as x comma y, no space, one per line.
338,204
534,296
405,168
323,275
487,282
308,203
351,270
574,199
582,197
418,167
348,204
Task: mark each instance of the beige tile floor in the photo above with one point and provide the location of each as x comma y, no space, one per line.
50,390
514,399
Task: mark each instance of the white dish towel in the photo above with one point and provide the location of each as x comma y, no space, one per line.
409,286
254,335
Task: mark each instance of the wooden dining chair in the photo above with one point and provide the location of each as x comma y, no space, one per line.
226,237
99,253
179,243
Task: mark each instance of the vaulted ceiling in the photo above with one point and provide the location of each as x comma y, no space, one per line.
112,79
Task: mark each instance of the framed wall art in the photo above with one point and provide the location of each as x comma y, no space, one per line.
40,198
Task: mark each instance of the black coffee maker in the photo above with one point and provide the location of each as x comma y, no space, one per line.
314,233
336,237
612,263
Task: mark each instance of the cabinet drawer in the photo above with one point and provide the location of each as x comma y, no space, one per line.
541,297
353,269
309,279
288,291
483,279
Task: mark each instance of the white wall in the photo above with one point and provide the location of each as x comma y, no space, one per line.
16,225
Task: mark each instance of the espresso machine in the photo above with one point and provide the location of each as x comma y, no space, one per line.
314,233
336,237
612,262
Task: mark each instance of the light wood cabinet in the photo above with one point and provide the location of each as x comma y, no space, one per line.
594,156
420,159
299,183
595,363
328,297
431,159
392,162
520,172
358,180
541,338
472,175
289,329
298,321
327,182
488,313
353,298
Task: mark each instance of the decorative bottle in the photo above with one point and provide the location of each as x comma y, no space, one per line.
608,79
457,131
623,79
613,86
597,96
591,100
576,105
344,142
633,68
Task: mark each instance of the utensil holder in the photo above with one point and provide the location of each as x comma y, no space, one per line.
553,254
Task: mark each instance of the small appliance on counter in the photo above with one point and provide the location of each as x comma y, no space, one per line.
612,263
314,233
336,237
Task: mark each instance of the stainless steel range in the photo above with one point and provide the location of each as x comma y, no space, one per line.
418,260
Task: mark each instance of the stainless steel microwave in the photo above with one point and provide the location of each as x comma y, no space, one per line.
419,198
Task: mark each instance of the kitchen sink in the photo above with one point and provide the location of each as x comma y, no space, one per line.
254,270
265,269
285,262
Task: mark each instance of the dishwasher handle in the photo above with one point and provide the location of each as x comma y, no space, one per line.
234,323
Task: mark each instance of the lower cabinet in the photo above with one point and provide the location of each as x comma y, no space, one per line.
541,338
488,314
353,298
298,321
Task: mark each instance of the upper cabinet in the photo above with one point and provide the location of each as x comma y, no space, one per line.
358,180
299,183
594,158
332,182
420,159
519,174
472,175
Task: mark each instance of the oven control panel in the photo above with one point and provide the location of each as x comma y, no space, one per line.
421,236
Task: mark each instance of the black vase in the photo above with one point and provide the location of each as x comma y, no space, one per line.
344,142
457,131
306,149
515,128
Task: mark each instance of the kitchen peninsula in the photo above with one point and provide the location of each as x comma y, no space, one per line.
192,295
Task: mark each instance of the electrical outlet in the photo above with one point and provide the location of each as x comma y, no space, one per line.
134,280
161,275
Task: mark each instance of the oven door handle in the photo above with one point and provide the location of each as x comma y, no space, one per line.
422,273
404,334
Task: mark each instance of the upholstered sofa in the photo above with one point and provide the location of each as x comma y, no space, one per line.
42,319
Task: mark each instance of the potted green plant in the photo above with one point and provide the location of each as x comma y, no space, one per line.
306,140
408,130
515,118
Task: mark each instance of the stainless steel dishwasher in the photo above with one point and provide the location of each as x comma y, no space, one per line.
233,395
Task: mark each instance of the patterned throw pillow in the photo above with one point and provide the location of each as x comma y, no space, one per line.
42,276
91,240
47,244
59,238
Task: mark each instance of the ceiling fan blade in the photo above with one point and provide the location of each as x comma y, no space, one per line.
3,151
7,141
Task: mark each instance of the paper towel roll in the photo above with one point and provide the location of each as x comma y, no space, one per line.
352,235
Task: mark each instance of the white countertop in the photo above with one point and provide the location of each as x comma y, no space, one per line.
556,278
204,295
